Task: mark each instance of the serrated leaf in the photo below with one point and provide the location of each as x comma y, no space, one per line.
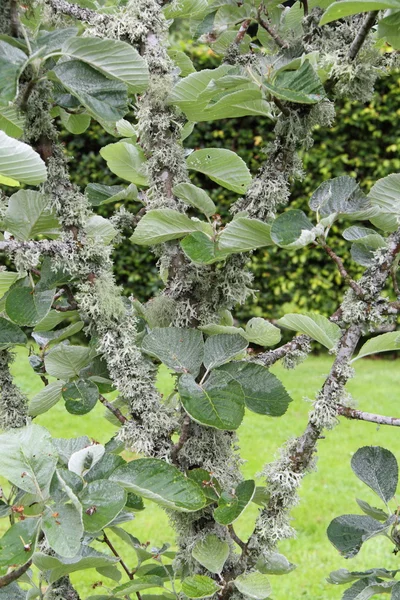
341,576
316,326
162,225
385,196
113,58
99,194
102,97
12,60
355,232
20,162
377,468
101,501
104,467
67,447
28,459
346,8
45,399
386,342
80,396
260,331
18,543
341,196
231,506
180,349
292,229
211,553
263,392
62,526
201,249
253,585
372,511
88,559
348,532
217,403
7,279
29,214
127,161
100,230
243,234
222,166
138,584
185,8
363,250
302,86
75,123
274,564
11,122
11,334
160,482
199,586
66,361
219,349
54,318
182,61
210,486
196,197
28,307
47,338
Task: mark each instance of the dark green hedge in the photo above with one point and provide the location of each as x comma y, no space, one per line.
363,143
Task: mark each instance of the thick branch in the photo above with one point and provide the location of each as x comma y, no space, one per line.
73,10
115,411
236,538
49,247
362,34
242,32
300,342
353,284
15,574
360,415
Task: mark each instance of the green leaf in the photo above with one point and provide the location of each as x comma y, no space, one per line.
138,584
62,526
162,225
7,279
199,586
292,229
28,459
201,249
396,591
341,196
346,8
274,564
363,250
182,61
218,403
18,544
67,447
12,592
243,234
219,349
196,197
126,160
180,349
211,553
47,338
302,86
316,326
66,361
341,576
11,334
99,194
101,501
261,332
20,162
102,97
348,532
28,307
160,482
230,507
57,567
253,585
377,468
210,486
29,214
100,230
389,29
54,318
75,123
185,8
85,458
385,196
263,392
222,166
113,58
50,41
372,511
45,399
12,60
11,122
355,232
80,396
381,343
104,467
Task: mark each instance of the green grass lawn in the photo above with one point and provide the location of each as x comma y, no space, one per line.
327,493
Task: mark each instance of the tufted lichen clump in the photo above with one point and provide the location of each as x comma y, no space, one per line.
14,404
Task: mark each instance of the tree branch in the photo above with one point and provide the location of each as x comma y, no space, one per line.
353,284
242,32
176,448
299,342
73,10
268,27
107,541
362,34
360,415
49,247
115,411
15,574
236,538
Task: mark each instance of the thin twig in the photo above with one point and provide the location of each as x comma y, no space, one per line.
299,342
268,27
242,32
360,415
14,19
304,4
362,34
281,106
236,538
395,283
339,263
176,448
15,574
115,411
107,541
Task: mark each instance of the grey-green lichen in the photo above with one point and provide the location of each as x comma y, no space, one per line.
62,589
13,403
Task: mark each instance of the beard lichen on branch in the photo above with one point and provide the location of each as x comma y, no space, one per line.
13,403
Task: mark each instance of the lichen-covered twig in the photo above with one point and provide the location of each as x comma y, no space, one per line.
353,284
360,415
183,438
115,411
85,15
298,343
15,574
367,25
242,32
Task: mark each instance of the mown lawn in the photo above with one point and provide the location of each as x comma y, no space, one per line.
327,493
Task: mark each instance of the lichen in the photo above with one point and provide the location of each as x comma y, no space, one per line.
13,403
